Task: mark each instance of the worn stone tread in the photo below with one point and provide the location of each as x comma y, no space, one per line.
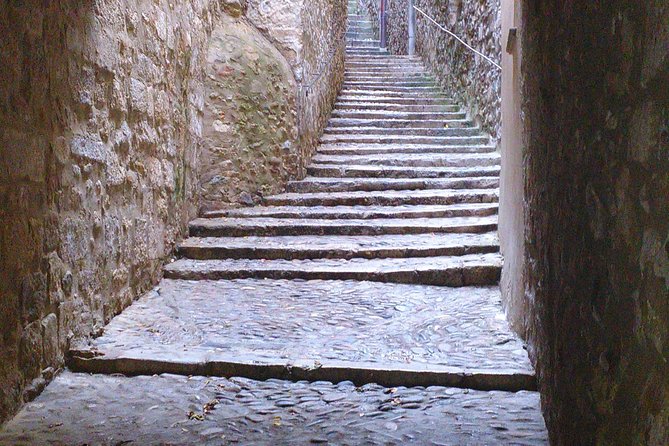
80,409
376,171
363,324
338,247
241,227
400,139
399,123
333,184
413,159
454,271
359,212
388,149
390,114
415,131
385,198
380,99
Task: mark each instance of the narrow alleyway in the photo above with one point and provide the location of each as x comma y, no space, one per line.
379,272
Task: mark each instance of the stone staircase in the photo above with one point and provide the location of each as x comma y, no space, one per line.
378,273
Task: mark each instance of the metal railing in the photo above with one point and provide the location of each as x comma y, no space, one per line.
456,37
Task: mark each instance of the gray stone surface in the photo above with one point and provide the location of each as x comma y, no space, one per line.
414,160
319,246
79,409
323,184
232,227
385,198
360,212
456,271
372,171
286,321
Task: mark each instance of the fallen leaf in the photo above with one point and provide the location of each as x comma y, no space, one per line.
211,405
195,416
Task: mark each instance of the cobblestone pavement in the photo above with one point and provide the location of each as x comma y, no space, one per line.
350,321
79,409
381,268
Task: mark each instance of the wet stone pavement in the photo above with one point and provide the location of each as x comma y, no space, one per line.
360,307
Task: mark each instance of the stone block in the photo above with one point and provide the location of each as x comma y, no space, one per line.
30,350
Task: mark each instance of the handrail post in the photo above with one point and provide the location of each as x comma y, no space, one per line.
382,25
412,29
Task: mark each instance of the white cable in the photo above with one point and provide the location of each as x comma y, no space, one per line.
459,39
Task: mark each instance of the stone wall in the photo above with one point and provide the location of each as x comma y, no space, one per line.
101,132
324,29
467,77
272,79
250,125
597,204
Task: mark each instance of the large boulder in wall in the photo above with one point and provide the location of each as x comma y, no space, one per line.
250,117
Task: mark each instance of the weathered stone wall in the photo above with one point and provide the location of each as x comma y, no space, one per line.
250,125
266,106
597,204
467,77
100,117
324,28
101,128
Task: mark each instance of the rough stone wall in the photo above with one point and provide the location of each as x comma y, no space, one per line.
101,128
280,21
597,205
100,119
467,77
324,28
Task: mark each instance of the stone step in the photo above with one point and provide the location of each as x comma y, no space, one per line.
376,171
399,76
388,149
395,100
269,412
416,94
338,247
403,115
381,62
280,321
390,85
384,72
452,271
387,77
392,88
324,184
399,123
365,51
387,326
413,160
385,198
363,43
399,59
384,106
359,212
358,30
402,139
415,131
353,65
264,227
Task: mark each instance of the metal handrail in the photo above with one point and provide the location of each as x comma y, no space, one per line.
488,59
